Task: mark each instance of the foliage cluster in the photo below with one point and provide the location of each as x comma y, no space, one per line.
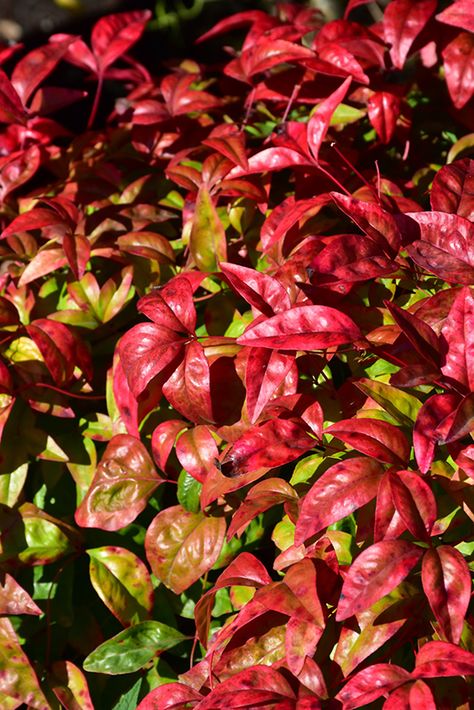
237,367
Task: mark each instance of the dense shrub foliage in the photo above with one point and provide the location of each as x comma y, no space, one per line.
237,366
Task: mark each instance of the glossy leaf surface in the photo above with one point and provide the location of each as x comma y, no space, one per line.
132,648
122,484
375,572
123,583
181,546
447,584
343,488
302,328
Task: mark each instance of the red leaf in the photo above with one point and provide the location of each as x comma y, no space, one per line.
49,99
430,416
374,573
197,450
343,488
420,334
301,640
453,189
311,677
388,524
271,159
145,351
77,249
113,35
126,403
70,686
440,659
373,437
446,247
461,422
261,291
342,60
230,142
261,497
403,22
267,54
14,599
78,53
163,439
46,260
58,347
384,111
349,258
149,245
458,61
189,388
266,369
376,222
457,334
36,66
352,4
37,218
19,684
254,687
268,445
172,696
246,571
260,20
370,683
181,98
415,502
18,169
411,697
171,306
122,484
302,328
458,14
11,107
319,122
447,584
286,215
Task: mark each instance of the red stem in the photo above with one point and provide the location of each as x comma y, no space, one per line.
354,169
45,385
95,105
334,180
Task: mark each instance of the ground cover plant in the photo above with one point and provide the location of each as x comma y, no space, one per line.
237,365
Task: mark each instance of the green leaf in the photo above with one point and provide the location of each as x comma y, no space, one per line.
283,534
129,700
207,242
404,407
345,114
11,485
132,648
189,491
305,469
462,148
35,538
123,583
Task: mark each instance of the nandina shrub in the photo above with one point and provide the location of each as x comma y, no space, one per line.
237,367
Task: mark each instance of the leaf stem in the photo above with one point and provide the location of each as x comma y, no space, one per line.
95,105
45,385
355,171
334,180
